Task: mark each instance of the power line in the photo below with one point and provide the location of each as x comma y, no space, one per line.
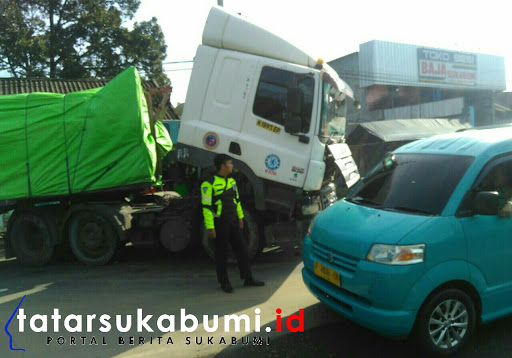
356,75
370,76
361,75
181,69
174,62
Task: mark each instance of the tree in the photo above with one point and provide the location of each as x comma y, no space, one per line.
78,39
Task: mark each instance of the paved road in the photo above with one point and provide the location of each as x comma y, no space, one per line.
161,283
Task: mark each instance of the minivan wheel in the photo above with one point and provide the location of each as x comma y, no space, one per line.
446,322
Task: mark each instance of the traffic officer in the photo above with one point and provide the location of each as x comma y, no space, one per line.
223,218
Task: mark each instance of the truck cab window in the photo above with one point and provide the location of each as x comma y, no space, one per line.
272,93
333,119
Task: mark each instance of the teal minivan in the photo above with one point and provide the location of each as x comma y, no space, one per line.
422,246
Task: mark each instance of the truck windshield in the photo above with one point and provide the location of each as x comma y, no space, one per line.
333,118
412,183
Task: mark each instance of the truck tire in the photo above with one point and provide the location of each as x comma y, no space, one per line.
30,236
176,222
175,234
253,235
92,237
250,234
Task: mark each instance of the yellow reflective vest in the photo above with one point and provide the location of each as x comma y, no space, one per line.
216,191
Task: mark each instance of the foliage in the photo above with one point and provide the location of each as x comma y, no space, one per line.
78,39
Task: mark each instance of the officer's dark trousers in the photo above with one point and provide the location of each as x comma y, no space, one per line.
230,232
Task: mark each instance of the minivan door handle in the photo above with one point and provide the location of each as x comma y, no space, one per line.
235,148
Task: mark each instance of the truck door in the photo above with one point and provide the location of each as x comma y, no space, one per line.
226,87
272,153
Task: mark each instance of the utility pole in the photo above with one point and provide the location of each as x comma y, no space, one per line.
493,118
220,2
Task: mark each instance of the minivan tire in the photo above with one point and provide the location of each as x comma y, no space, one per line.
446,315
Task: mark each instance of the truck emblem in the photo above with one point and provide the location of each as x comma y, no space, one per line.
330,258
211,140
272,162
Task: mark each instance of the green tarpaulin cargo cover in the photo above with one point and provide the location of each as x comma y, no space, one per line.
54,144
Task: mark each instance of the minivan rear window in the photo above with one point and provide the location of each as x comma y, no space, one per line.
412,183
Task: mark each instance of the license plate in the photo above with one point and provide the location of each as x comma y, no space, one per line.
327,274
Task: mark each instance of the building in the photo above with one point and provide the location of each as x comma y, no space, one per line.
399,81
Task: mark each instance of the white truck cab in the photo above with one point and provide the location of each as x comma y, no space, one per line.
277,111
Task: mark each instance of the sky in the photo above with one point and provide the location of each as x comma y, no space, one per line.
334,28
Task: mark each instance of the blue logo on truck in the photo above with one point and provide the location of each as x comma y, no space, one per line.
272,162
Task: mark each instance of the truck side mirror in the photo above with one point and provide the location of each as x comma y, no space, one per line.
486,203
292,124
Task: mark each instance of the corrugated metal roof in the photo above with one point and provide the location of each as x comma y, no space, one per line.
439,109
29,85
473,142
23,85
410,129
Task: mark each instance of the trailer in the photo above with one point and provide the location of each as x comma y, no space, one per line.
77,169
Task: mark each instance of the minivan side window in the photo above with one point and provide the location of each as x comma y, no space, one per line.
499,178
271,96
496,177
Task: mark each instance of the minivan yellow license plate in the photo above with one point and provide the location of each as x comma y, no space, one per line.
327,274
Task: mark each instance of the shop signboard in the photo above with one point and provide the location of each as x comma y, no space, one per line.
450,67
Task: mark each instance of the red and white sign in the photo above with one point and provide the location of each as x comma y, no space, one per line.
446,67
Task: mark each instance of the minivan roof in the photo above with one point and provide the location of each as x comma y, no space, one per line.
473,142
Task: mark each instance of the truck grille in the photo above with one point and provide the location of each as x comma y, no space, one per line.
344,262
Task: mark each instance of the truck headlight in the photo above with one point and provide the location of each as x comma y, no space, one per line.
397,254
310,228
311,206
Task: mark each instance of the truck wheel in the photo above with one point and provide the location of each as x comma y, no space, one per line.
250,234
446,322
175,234
30,237
175,231
92,238
252,237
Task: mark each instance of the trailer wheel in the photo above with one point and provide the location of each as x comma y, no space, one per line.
92,238
250,234
30,237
